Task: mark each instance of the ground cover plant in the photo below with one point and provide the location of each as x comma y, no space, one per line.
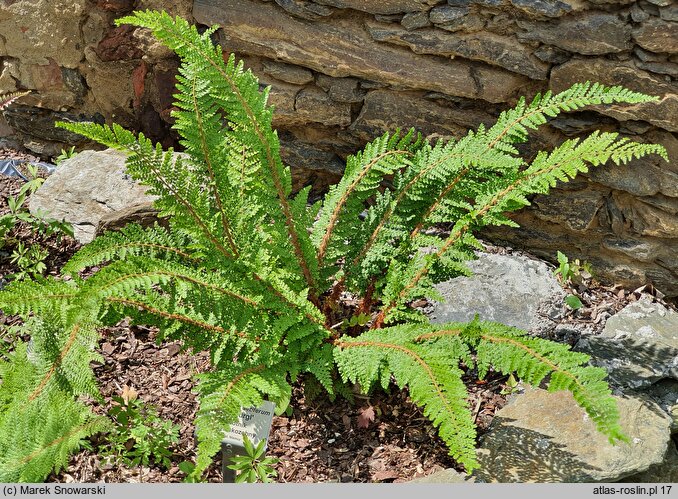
255,275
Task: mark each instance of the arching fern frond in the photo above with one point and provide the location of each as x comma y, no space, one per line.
133,240
41,421
433,378
512,351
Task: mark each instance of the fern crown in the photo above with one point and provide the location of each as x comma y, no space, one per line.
254,274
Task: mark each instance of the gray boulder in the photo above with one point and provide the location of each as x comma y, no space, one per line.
503,288
87,188
639,345
546,437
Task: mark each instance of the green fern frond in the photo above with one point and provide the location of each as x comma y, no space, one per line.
340,214
38,296
433,378
512,351
132,240
41,421
227,86
38,439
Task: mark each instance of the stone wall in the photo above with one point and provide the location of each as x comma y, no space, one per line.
343,71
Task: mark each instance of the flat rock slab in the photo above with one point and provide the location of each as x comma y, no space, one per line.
87,188
509,289
639,345
546,437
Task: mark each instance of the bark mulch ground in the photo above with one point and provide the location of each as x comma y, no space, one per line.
378,438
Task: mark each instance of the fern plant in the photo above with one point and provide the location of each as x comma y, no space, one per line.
255,275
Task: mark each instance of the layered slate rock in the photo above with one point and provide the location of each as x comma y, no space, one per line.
144,214
658,35
506,289
87,188
381,6
56,36
665,393
663,114
592,34
546,437
342,47
639,345
493,49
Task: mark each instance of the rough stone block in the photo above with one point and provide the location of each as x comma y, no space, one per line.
316,106
341,47
385,7
638,347
506,289
546,437
388,110
545,8
657,35
288,72
663,114
341,89
87,188
590,34
481,46
36,31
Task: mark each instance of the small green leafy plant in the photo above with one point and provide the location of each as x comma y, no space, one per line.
574,302
18,213
139,437
64,155
253,466
572,271
31,260
255,275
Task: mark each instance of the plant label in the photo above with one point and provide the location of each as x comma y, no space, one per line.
253,421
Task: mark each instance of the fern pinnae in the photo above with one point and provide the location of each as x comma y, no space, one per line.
173,316
222,396
131,240
40,296
561,164
443,405
141,272
172,31
327,228
540,358
141,151
57,362
244,266
212,180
